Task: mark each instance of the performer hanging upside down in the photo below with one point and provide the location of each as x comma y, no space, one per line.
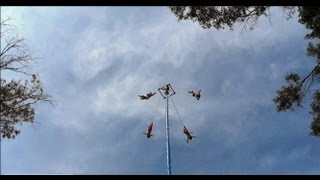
149,130
189,136
196,94
147,96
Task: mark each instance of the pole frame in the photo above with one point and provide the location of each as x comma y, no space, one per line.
167,91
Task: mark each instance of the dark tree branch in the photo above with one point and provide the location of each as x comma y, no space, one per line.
17,100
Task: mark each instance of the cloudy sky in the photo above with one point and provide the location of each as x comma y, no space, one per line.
96,60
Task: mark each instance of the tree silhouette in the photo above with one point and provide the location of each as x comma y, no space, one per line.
290,96
17,97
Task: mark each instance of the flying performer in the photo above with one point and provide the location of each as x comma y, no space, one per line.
147,96
149,130
195,94
188,133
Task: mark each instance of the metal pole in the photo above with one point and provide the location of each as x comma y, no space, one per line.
0,88
168,140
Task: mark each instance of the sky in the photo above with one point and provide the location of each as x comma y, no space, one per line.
96,60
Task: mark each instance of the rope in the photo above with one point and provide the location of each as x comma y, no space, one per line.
176,110
154,116
183,90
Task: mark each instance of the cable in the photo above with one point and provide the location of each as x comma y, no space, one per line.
177,111
154,116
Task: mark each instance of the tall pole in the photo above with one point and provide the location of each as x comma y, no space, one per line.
167,91
0,88
168,140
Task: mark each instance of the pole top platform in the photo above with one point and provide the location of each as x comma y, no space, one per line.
166,90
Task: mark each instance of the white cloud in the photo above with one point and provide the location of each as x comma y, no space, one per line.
111,55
